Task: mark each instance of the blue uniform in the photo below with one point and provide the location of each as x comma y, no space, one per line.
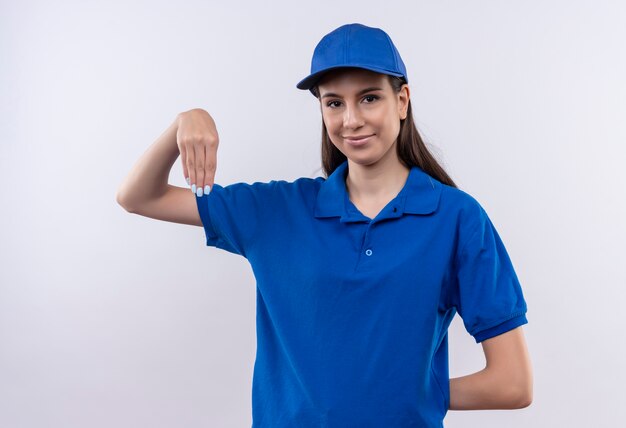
352,312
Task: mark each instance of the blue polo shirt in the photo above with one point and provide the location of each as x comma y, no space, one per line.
352,313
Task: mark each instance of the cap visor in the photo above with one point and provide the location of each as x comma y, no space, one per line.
310,81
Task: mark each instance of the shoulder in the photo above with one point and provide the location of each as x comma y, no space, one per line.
463,212
273,194
289,188
276,186
460,203
299,184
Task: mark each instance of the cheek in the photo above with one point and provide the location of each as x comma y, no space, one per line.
333,124
332,129
393,121
388,128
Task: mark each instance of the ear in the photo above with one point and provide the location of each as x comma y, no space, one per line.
403,101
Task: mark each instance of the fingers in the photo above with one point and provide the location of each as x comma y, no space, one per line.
198,141
200,150
201,165
210,167
183,159
195,160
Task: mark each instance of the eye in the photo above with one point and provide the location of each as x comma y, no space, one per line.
367,97
371,96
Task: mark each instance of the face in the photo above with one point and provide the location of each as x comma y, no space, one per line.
362,103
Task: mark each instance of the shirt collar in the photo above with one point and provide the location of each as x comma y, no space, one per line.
420,195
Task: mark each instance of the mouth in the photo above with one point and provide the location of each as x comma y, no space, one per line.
358,140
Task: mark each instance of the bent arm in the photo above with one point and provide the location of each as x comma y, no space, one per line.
148,178
505,383
145,190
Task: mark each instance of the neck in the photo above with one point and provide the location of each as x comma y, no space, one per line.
380,181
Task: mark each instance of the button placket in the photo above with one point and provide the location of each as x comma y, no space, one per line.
366,250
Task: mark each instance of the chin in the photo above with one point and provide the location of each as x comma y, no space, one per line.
364,159
370,157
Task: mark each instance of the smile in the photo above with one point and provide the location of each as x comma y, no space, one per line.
358,142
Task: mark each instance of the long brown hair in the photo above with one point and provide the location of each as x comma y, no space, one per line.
410,147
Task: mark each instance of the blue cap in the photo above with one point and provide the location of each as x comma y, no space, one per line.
354,45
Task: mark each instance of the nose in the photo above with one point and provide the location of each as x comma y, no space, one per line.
352,117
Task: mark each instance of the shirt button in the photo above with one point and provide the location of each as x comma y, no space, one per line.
368,252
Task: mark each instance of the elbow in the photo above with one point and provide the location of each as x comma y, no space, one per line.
121,200
527,399
524,401
515,392
524,395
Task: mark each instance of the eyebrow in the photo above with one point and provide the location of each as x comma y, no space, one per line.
373,88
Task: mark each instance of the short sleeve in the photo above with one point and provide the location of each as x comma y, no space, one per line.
232,214
488,295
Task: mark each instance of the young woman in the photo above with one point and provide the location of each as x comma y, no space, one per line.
359,274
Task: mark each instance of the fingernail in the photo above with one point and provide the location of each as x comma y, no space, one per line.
188,181
199,192
193,188
207,189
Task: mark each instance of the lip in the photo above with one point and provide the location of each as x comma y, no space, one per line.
358,141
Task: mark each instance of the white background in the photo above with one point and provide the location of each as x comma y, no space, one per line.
109,319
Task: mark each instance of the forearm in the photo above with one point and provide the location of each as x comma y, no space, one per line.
486,389
149,176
